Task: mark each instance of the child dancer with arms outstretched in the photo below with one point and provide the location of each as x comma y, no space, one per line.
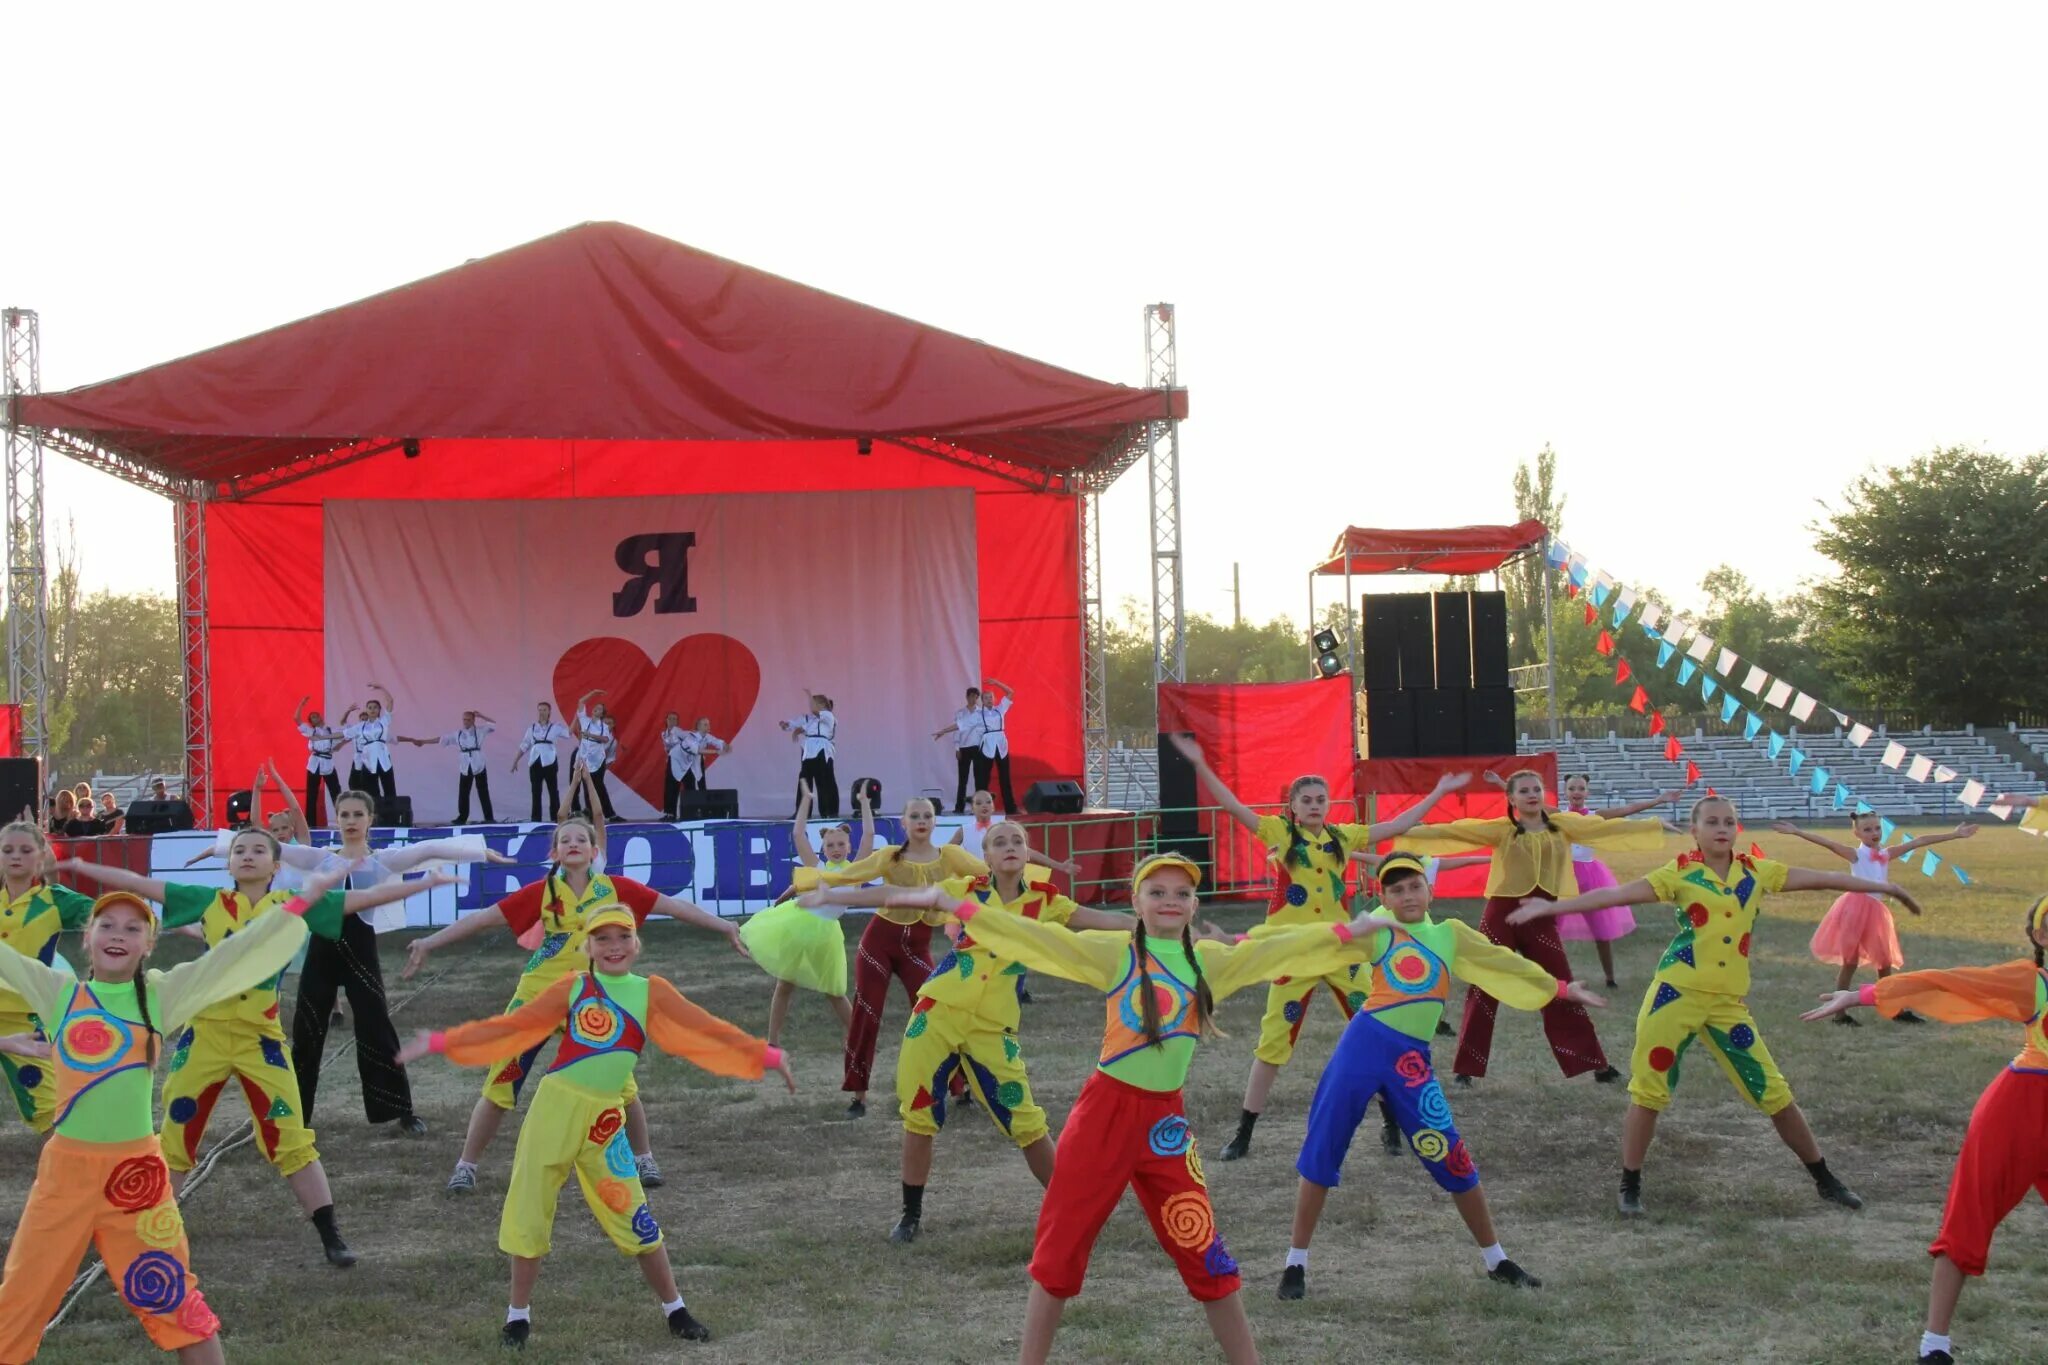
605,1016
101,1178
2005,1150
1698,993
240,1039
966,1016
1310,856
1858,928
1410,959
796,945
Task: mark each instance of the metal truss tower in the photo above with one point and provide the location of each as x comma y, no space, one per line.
28,641
1162,461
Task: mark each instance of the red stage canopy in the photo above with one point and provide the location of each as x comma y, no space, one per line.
1454,549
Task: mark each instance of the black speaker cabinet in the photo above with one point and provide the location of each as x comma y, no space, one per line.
1490,721
1177,795
19,779
1453,613
239,804
871,785
1418,641
1380,656
1057,797
394,812
1489,640
158,817
1389,723
719,803
1440,722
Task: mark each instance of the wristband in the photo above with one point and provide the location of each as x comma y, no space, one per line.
771,1057
1343,932
437,1041
1867,994
1241,938
297,905
966,910
1562,987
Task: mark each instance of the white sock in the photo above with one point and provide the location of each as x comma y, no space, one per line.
643,1156
1930,1342
669,1308
462,1165
1298,1256
1494,1256
519,1314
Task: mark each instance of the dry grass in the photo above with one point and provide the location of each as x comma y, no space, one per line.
777,1208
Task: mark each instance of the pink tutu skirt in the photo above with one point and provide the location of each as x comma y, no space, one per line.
1858,928
1597,926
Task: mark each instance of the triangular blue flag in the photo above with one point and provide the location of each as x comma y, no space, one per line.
1842,796
1885,830
1793,766
1599,594
1664,653
1578,572
1863,808
1933,861
1907,861
1620,613
1751,723
1730,704
1961,875
1652,633
1685,672
1776,744
1708,687
1820,780
1555,553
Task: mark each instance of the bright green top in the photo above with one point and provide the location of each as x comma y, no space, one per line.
589,1062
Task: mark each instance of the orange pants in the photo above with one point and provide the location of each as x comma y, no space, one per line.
116,1195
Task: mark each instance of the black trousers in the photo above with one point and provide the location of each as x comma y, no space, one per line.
1000,766
672,789
970,766
544,775
349,964
314,782
817,772
383,784
604,797
482,783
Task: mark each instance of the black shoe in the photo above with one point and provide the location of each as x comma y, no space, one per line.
1294,1282
1465,1081
1444,1030
1847,1020
1391,1139
1835,1192
1902,1017
856,1110
1607,1075
1937,1358
1631,1204
1024,998
412,1125
1507,1272
905,1231
1612,984
337,1252
681,1324
514,1334
1239,1148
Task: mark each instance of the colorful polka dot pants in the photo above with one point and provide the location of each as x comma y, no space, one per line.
1672,1020
209,1054
940,1043
1287,1005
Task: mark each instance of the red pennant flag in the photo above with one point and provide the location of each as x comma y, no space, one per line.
1712,792
1571,590
1692,774
1656,724
1591,615
1640,702
1672,749
1604,645
1756,850
1621,673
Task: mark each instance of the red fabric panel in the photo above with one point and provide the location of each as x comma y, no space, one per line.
601,331
10,729
1454,549
1388,786
1104,843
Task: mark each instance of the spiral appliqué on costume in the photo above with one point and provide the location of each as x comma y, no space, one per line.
1218,1261
155,1282
196,1317
1459,1162
644,1226
1412,971
1188,1220
596,1024
618,1158
1435,1109
614,1195
160,1227
1413,1068
1169,1136
1429,1144
607,1126
1195,1166
93,1040
138,1183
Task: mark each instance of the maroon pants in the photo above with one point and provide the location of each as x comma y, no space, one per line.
886,950
1569,1028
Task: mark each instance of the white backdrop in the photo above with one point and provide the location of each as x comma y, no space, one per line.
867,597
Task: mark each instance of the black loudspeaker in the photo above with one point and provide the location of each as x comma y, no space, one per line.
1490,721
720,803
1177,795
871,785
1418,641
1058,797
19,778
1389,723
1489,642
1440,722
158,817
239,804
1453,613
1380,660
394,812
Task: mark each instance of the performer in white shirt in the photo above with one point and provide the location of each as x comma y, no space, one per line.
966,732
597,748
814,732
995,742
970,835
372,736
323,741
686,759
468,742
543,763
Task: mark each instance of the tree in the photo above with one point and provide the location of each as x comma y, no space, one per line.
1536,498
1941,604
1780,636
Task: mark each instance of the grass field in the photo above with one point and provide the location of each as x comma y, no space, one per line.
777,1208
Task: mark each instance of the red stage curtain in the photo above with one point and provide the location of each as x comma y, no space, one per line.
10,729
1388,786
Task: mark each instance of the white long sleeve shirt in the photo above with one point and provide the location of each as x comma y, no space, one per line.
372,739
597,745
818,731
686,750
967,728
321,742
995,739
539,741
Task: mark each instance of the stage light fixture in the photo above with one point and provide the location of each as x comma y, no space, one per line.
1328,662
864,446
412,450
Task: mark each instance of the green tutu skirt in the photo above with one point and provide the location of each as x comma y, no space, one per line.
792,944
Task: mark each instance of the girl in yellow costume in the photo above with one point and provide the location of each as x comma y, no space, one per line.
240,1039
966,1016
605,1016
557,907
33,913
1311,857
800,947
101,1179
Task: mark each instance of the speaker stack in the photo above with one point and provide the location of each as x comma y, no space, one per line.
1435,669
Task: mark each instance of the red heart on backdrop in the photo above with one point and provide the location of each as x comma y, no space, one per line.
700,675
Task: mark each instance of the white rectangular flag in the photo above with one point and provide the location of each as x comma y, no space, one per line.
1726,663
1652,614
1701,648
1625,603
1894,754
1859,735
1754,680
1922,765
1944,773
1802,708
1973,793
2003,811
1780,692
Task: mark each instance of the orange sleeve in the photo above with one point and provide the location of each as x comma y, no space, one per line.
1962,995
507,1035
681,1029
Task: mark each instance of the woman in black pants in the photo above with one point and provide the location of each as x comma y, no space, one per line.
538,751
814,732
323,742
372,736
597,748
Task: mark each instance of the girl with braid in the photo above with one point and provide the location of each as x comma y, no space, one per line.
33,912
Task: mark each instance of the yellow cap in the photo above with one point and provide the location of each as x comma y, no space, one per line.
1147,866
608,915
114,898
2037,915
1398,860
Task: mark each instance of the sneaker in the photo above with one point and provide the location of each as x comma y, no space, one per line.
463,1181
1834,1191
412,1125
337,1252
1937,1358
1391,1139
512,1336
681,1324
1607,1075
1903,1017
1294,1282
1240,1147
905,1231
856,1110
1507,1272
1612,984
1848,1020
650,1172
1631,1204
1444,1030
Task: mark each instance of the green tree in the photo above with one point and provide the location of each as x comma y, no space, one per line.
1536,497
1941,604
1779,635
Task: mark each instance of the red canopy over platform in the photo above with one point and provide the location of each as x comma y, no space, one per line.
601,361
1451,550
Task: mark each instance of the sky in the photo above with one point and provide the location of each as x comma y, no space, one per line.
1723,260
